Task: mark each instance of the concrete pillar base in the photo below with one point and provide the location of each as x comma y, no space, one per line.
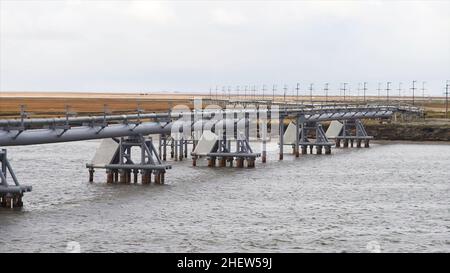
91,175
319,150
239,162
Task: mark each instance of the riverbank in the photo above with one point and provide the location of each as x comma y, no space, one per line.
425,130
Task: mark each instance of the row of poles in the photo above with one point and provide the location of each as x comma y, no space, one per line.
252,92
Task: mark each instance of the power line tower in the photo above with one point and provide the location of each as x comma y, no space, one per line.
364,90
326,92
263,89
343,88
447,85
413,91
224,93
379,90
311,92
245,93
297,89
284,94
388,84
254,92
358,91
399,90
423,93
217,96
274,88
237,92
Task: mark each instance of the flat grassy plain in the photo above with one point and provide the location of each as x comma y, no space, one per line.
40,104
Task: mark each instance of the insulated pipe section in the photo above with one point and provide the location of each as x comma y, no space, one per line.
42,136
80,120
348,115
207,113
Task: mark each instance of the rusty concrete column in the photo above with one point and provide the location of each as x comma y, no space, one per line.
157,177
327,150
304,149
135,176
122,176
345,143
351,142
162,177
250,162
91,175
319,149
143,177
109,176
297,137
358,143
222,162
366,143
116,175
239,162
164,157
211,161
338,143
281,137
181,154
194,161
175,150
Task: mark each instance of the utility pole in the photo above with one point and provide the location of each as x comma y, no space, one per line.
229,92
311,92
447,85
364,90
263,89
297,88
237,92
399,90
413,90
387,91
245,93
359,89
379,90
344,88
254,92
326,92
423,93
210,94
217,88
274,87
284,94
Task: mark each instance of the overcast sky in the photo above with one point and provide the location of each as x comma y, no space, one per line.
145,46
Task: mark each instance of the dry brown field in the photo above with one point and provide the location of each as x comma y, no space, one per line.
39,104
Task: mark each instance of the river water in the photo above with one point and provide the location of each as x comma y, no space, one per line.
391,197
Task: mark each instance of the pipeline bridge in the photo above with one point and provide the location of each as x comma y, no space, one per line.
222,137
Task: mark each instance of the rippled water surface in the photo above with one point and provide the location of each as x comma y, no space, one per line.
396,195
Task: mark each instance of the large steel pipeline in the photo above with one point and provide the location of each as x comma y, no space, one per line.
77,133
80,120
42,136
207,113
